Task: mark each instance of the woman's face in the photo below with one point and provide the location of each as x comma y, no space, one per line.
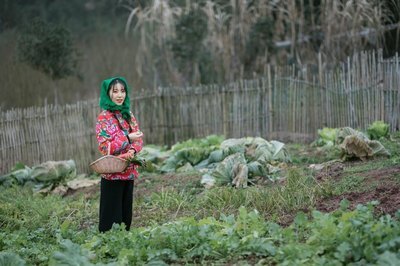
117,94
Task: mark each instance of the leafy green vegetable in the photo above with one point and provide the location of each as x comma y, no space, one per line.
223,173
18,177
18,166
355,144
211,140
257,169
377,130
138,161
154,154
51,171
11,259
192,151
326,137
70,254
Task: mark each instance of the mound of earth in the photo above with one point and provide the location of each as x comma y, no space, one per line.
382,185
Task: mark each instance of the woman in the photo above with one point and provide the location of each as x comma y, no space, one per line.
118,134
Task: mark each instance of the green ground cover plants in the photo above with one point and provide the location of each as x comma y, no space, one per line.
177,221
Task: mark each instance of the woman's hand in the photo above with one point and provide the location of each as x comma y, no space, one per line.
128,155
135,135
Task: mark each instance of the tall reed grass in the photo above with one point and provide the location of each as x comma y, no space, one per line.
298,31
334,28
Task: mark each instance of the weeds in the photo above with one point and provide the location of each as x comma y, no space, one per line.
351,183
180,222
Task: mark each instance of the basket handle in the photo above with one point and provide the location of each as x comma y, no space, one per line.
109,148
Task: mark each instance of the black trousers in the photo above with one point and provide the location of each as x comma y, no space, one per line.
116,197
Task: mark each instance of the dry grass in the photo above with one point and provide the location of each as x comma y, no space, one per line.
344,25
144,58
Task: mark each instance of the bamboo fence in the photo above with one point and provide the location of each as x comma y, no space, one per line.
289,104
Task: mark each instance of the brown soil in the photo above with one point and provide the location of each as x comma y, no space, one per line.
147,185
333,171
378,185
88,192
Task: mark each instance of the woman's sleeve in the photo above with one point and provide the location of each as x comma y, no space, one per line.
109,135
138,143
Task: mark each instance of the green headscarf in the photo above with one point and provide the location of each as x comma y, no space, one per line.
107,104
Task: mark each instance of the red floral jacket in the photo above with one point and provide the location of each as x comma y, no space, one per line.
112,130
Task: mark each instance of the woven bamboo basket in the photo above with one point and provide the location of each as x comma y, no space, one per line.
109,164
